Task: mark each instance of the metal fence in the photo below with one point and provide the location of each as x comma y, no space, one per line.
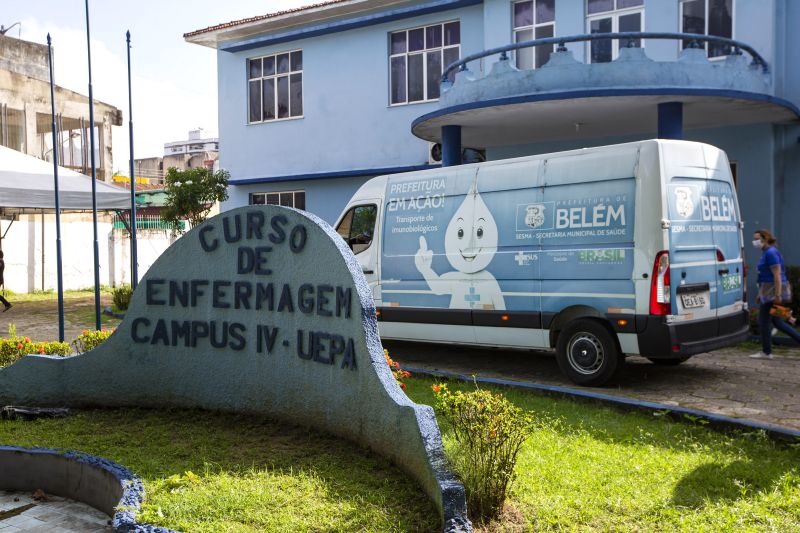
145,222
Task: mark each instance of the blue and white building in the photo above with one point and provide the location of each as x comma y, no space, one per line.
315,101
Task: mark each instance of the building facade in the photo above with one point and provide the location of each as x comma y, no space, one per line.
196,151
315,101
26,125
25,112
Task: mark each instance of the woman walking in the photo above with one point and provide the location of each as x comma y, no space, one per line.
773,288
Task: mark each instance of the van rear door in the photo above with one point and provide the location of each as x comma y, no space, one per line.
705,244
723,212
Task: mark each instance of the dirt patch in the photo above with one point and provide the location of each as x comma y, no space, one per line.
39,319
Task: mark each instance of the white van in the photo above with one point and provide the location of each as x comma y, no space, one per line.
599,253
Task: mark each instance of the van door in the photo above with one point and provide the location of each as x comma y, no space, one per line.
692,249
430,281
357,227
514,216
722,211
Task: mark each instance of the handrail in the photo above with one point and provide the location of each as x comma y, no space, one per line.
695,38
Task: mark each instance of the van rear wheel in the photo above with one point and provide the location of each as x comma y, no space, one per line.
587,353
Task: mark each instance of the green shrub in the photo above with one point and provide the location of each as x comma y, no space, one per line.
489,431
13,348
90,339
122,297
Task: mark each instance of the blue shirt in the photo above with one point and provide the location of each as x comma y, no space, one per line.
770,258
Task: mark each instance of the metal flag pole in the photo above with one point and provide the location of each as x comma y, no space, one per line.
134,259
94,181
58,205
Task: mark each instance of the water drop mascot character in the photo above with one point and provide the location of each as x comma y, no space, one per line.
470,243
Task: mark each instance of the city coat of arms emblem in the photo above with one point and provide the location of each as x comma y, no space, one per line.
534,215
683,201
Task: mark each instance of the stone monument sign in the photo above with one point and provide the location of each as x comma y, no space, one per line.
261,309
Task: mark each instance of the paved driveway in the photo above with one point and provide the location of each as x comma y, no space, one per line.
725,382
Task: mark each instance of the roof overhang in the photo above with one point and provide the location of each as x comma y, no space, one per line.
214,36
597,113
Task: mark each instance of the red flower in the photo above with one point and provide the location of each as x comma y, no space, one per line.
436,388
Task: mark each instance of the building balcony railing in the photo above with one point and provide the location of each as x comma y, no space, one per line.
632,68
568,99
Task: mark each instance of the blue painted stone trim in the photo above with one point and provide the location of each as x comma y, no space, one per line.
594,93
334,174
130,503
778,433
350,24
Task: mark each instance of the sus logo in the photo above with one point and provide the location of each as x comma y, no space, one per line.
683,201
534,215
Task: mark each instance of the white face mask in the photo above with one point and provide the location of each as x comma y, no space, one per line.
757,243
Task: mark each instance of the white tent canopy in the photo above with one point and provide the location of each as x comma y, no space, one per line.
27,183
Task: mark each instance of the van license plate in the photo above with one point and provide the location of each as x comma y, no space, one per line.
691,301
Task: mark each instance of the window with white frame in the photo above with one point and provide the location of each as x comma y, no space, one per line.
708,17
612,16
417,58
534,19
296,199
275,87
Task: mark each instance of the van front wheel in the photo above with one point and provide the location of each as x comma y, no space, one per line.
587,353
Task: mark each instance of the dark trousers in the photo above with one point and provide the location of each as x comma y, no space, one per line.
4,301
766,322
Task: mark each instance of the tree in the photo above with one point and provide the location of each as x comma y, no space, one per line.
192,192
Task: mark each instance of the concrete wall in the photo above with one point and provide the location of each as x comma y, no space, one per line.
26,264
787,190
24,57
150,244
786,70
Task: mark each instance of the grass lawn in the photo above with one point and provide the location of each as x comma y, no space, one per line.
599,469
252,475
51,295
590,468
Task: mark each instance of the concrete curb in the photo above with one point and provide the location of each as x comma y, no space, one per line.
718,422
72,465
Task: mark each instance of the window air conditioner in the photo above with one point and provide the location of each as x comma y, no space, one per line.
434,153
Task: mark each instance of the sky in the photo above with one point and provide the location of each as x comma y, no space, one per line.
174,82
